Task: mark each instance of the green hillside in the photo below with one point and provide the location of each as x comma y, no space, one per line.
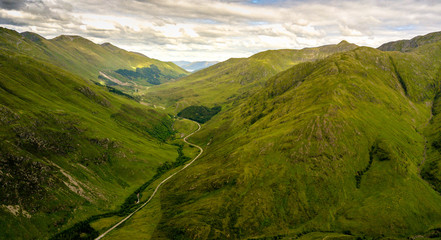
327,148
409,45
69,149
90,60
234,79
338,141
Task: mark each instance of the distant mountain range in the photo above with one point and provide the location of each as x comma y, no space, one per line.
195,66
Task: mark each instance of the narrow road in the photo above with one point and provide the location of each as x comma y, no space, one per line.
159,185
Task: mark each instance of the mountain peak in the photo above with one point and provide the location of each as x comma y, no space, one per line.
110,46
71,38
32,36
107,44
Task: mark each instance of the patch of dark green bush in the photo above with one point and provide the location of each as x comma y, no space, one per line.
200,114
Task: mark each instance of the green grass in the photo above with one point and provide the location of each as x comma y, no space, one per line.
284,161
146,219
309,144
70,149
92,226
184,127
330,236
235,79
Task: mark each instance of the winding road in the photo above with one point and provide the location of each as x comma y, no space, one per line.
159,185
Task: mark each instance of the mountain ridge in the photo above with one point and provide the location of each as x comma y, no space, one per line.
338,141
69,149
325,146
409,45
82,56
235,78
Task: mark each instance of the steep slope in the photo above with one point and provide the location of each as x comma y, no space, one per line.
409,45
233,79
68,148
84,57
331,146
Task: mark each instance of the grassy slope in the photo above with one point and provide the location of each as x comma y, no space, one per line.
285,161
410,45
184,127
432,164
143,223
235,78
69,149
80,55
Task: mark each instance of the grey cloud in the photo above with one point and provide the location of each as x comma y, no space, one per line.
44,11
38,11
12,4
8,21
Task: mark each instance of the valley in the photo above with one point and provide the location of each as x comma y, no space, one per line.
338,141
159,185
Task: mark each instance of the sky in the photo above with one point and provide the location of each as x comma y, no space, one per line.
215,30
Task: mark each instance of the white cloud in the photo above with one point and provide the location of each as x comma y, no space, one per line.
347,31
219,29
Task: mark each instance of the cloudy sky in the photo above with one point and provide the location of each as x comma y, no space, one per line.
220,29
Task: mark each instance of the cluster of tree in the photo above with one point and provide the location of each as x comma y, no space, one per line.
81,230
200,114
162,131
180,160
152,74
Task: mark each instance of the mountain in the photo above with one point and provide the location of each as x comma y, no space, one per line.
70,149
344,147
233,79
338,141
99,63
328,146
409,45
195,66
